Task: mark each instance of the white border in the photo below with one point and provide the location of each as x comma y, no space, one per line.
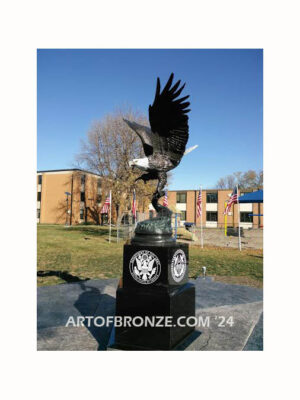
28,25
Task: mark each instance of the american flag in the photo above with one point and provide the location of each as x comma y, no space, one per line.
232,200
199,203
105,208
165,203
134,205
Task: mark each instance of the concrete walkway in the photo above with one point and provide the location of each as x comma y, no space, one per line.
252,239
231,315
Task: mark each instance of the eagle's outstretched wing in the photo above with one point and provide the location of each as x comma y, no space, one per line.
144,134
168,118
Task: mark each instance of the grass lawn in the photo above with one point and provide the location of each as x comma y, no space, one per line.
83,252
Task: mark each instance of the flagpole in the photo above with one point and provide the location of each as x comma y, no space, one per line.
238,203
109,215
225,230
201,224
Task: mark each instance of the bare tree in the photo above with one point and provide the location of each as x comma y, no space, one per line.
226,183
260,182
238,177
249,179
246,180
109,146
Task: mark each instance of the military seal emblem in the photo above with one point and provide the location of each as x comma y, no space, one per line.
145,267
178,265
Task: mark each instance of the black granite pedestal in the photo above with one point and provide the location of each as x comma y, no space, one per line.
155,293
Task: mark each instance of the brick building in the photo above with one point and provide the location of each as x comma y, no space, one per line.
84,197
55,206
213,206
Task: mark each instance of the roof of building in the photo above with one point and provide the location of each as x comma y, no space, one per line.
68,170
254,197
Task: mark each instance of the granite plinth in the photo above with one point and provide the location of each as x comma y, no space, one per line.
165,253
193,342
177,303
154,285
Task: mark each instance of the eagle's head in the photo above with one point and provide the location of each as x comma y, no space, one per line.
140,163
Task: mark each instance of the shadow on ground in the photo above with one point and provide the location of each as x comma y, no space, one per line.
89,231
88,305
69,278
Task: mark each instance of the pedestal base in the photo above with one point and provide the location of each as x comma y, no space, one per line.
155,298
167,311
195,341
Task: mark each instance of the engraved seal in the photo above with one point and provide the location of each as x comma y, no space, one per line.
145,267
178,265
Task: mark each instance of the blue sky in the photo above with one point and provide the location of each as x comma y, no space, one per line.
76,87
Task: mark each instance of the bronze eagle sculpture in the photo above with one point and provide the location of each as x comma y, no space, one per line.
164,144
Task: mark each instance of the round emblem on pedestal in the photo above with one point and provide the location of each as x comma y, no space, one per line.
145,267
178,265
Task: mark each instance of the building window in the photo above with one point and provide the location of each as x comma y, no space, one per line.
38,213
82,179
99,186
40,179
211,216
182,215
212,197
82,196
181,198
39,194
245,217
81,213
